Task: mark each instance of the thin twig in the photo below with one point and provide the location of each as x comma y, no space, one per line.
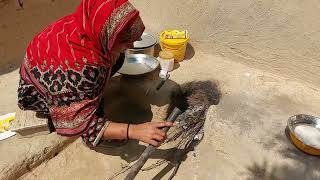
176,168
20,3
157,164
123,170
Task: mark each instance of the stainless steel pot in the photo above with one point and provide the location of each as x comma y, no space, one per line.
143,46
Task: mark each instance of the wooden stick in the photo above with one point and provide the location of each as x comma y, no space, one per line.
150,149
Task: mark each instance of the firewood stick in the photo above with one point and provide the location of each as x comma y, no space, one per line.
150,149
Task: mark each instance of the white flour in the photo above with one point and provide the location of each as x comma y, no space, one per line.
308,135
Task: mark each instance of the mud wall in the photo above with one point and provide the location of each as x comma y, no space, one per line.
17,26
279,36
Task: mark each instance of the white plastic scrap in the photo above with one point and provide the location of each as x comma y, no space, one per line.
6,135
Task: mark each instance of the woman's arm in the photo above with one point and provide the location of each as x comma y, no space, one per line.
147,132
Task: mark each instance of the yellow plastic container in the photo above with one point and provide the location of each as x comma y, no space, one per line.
5,121
177,44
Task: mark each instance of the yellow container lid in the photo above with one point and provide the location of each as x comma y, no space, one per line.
174,41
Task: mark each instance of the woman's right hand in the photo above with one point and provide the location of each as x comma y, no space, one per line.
149,132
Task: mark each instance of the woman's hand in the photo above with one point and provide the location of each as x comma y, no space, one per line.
149,132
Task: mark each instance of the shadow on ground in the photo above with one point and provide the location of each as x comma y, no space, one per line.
135,104
304,167
8,68
248,114
129,99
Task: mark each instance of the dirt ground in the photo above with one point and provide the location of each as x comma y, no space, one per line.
244,135
263,54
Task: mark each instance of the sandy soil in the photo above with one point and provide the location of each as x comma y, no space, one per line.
244,135
264,54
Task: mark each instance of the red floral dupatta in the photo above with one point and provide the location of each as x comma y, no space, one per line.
69,61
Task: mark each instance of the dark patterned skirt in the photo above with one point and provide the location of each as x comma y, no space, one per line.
29,97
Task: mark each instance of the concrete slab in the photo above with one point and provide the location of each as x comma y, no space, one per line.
19,155
30,147
29,123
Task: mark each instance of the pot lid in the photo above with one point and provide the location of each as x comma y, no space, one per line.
146,40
